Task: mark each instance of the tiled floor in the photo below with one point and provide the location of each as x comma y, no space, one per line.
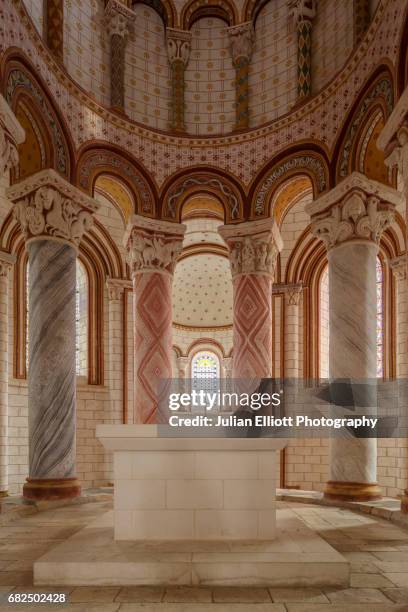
377,550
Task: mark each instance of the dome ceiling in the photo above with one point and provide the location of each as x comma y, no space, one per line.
202,291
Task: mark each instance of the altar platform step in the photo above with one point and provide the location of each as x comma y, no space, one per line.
296,557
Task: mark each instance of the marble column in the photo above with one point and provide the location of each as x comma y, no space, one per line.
398,266
118,19
178,51
54,27
153,248
254,247
53,216
303,12
241,38
350,220
116,288
293,295
6,264
11,135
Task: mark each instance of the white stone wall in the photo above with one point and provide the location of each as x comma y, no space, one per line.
147,71
210,80
332,40
273,71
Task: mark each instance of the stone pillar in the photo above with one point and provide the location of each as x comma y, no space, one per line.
361,18
303,12
118,19
11,135
152,247
350,220
241,39
399,269
54,27
178,51
254,247
6,263
53,216
116,288
393,140
293,294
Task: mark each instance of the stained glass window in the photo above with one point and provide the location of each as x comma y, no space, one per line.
205,371
324,322
81,320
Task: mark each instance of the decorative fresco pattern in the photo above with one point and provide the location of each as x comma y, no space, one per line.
202,291
273,70
242,155
86,49
332,40
147,71
210,80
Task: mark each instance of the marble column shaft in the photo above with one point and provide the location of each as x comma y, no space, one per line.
241,42
153,248
52,377
116,288
6,262
178,51
254,247
293,295
303,12
118,20
350,220
53,216
54,27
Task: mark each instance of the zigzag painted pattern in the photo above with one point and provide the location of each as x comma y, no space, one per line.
252,327
153,341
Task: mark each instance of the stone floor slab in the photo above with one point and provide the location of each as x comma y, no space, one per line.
241,595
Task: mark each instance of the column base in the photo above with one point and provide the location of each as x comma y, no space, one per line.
352,491
51,489
404,502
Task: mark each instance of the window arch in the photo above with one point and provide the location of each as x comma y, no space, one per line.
205,371
81,319
324,321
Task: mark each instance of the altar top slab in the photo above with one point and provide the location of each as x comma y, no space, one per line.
148,437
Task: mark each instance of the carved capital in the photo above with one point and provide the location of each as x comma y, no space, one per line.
11,134
253,246
118,18
356,209
116,287
178,46
292,292
398,266
302,10
241,38
48,207
153,246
